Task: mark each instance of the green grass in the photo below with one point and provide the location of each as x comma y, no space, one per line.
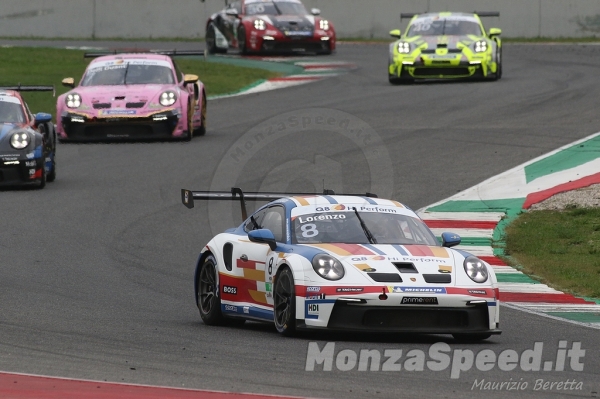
561,248
49,66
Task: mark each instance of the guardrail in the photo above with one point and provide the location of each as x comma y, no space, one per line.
150,19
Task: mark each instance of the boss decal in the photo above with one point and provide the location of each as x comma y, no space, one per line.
228,289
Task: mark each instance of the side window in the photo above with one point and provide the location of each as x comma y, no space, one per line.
254,222
274,220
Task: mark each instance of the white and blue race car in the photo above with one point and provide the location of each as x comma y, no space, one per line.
341,262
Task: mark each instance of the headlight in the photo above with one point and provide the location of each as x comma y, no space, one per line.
480,46
19,140
475,269
403,48
73,100
168,98
328,267
259,24
324,24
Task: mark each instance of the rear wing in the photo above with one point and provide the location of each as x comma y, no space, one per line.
487,13
236,194
406,15
171,53
20,87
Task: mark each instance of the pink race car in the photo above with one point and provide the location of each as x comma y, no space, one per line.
132,96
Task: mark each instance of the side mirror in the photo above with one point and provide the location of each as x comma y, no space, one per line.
395,33
494,32
263,236
69,82
189,78
315,11
42,117
232,12
450,240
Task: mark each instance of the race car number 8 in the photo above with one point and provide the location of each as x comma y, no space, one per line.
309,230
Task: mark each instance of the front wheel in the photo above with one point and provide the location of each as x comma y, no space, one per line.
284,309
208,297
201,131
211,40
242,41
52,175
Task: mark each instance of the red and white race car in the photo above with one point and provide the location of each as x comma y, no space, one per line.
258,26
132,96
341,262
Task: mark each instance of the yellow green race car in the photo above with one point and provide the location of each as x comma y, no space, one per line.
444,45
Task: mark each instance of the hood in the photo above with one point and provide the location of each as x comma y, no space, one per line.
445,42
292,25
417,265
123,96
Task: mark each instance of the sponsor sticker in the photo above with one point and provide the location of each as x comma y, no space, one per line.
227,289
428,290
349,289
419,300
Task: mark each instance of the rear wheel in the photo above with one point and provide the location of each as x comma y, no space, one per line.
208,297
284,306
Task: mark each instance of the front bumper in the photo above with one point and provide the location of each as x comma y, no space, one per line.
449,313
296,46
441,68
21,172
78,127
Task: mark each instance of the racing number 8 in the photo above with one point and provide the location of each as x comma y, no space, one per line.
309,230
270,266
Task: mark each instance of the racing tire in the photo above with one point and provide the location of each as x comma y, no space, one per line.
242,41
187,136
284,303
474,337
400,81
201,131
211,40
43,179
207,296
50,177
499,63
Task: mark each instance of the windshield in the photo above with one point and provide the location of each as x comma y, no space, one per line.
127,74
437,27
345,227
275,8
11,112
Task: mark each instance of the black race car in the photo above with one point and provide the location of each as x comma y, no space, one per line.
27,142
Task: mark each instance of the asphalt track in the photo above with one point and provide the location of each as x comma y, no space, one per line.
97,269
